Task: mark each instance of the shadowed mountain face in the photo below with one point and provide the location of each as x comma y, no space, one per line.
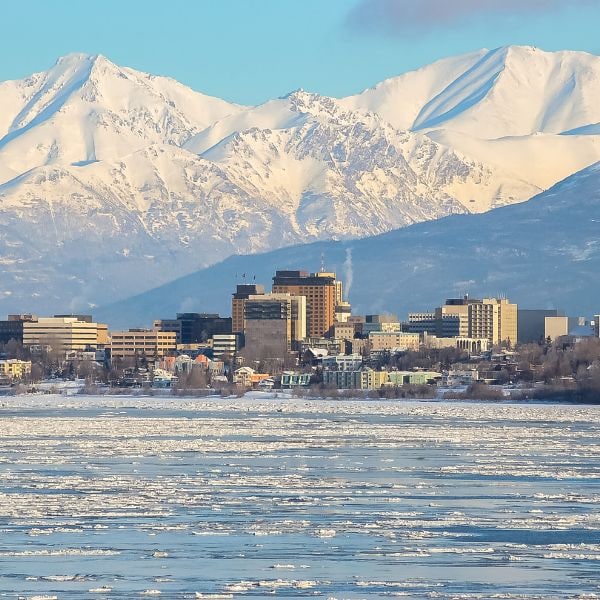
544,253
113,182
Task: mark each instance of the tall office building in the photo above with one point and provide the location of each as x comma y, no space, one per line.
322,292
494,319
274,324
241,294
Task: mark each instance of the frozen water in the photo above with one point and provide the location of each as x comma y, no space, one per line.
132,497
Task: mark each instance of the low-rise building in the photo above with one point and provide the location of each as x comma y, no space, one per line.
342,380
290,380
242,376
342,362
137,343
371,379
14,368
247,377
460,377
398,378
163,379
471,345
384,340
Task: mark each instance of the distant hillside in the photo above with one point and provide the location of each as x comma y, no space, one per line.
544,253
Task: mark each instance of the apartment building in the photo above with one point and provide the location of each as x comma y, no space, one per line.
14,368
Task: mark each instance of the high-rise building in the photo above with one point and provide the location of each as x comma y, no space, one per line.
494,319
274,324
241,294
322,292
453,317
63,334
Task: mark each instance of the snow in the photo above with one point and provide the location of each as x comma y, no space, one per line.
102,164
543,253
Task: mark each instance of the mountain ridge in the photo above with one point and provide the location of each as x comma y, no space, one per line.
149,180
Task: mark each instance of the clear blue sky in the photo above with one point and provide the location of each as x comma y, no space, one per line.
251,50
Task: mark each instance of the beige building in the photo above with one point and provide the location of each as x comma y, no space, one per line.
387,340
555,327
471,345
372,380
142,342
64,334
491,318
344,331
495,319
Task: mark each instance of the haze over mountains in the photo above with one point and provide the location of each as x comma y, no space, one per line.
113,181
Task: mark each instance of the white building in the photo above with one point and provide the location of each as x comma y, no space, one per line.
342,362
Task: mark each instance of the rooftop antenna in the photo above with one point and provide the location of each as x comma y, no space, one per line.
322,262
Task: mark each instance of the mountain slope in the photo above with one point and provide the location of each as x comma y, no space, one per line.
162,211
543,253
113,181
86,108
509,91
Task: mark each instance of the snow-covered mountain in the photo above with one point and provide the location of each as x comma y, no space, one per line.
113,181
531,112
543,253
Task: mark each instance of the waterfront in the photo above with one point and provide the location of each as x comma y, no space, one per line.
122,497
